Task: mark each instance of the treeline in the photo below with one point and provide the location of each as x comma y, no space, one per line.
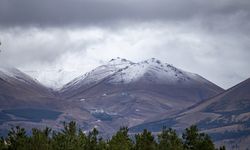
72,138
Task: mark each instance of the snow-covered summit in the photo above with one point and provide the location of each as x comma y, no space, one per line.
119,62
122,71
152,70
9,73
100,73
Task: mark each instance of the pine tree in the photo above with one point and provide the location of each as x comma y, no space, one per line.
67,139
82,139
102,145
169,140
40,139
17,139
121,140
2,144
71,138
193,140
222,148
145,141
92,142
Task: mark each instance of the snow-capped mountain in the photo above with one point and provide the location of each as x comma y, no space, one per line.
122,93
153,71
17,88
128,93
55,77
7,73
97,75
124,72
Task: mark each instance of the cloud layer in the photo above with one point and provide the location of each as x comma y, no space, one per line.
211,38
89,12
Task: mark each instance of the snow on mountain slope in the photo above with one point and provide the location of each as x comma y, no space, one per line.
124,71
121,74
117,93
17,88
98,73
153,70
7,73
125,93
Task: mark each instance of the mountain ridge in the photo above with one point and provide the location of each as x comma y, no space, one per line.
129,73
225,117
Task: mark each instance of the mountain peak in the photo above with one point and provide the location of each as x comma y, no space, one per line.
10,71
119,61
153,60
153,71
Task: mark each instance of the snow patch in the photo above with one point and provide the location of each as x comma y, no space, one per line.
100,73
151,70
82,100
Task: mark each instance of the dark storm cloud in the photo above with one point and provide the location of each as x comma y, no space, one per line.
89,12
208,36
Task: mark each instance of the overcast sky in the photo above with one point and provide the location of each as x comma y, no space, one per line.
210,38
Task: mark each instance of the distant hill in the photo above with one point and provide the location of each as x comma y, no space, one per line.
226,117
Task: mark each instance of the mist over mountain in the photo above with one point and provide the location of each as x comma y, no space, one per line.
18,89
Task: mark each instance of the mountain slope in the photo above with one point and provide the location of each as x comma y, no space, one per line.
17,88
129,93
94,77
119,93
150,72
226,117
26,102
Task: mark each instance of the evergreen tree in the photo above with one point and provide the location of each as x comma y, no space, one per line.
121,140
70,138
17,139
169,140
102,145
222,148
2,144
82,139
193,140
40,139
67,139
145,141
92,142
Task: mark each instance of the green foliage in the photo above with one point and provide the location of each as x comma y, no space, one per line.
92,142
72,138
40,139
2,144
121,140
145,141
17,139
222,148
67,139
193,140
169,140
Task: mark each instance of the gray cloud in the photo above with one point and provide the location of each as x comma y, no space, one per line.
89,12
210,38
220,58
